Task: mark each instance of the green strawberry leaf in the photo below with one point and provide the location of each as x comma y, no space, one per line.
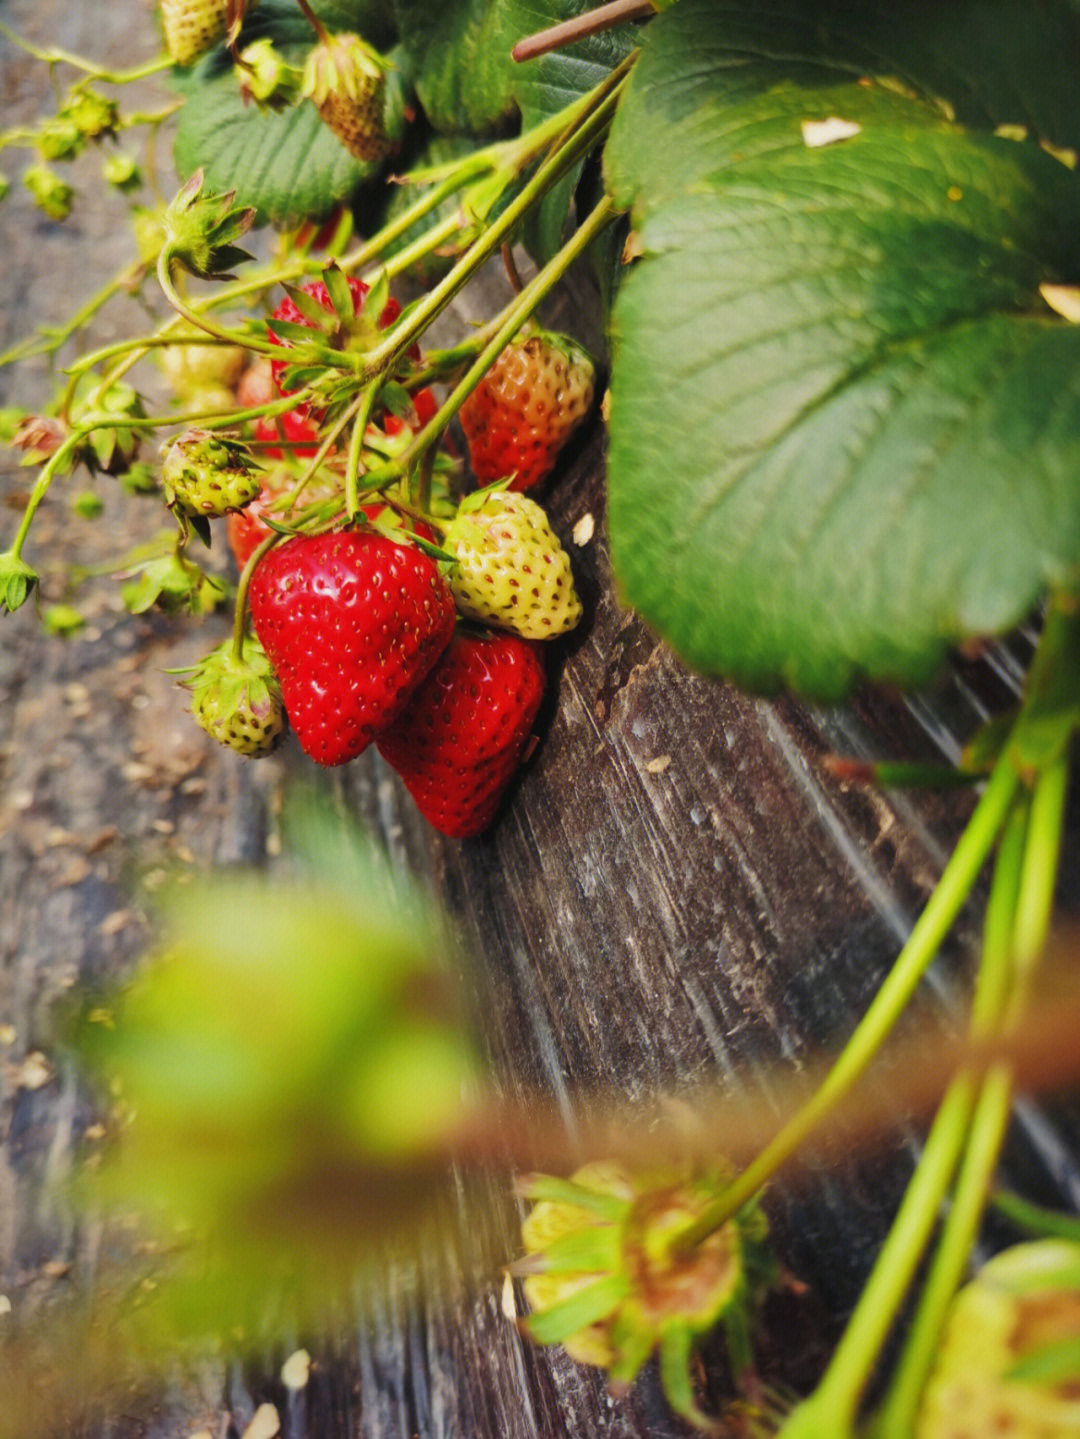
287,165
459,51
466,79
845,425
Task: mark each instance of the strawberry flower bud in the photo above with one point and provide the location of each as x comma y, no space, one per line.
59,139
122,173
93,115
267,77
199,230
17,580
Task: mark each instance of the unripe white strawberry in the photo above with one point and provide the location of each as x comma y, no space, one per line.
237,699
192,26
1022,1301
204,474
511,570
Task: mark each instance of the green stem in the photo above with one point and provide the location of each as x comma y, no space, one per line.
1016,932
996,974
514,316
948,898
41,487
56,56
365,403
472,167
249,341
987,1133
1034,1218
240,610
412,325
420,248
1036,900
831,1408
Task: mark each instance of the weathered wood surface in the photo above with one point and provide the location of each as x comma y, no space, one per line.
674,888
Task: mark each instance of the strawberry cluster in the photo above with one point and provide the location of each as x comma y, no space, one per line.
420,639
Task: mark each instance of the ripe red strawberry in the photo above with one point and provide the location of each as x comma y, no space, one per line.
460,738
352,622
526,407
295,427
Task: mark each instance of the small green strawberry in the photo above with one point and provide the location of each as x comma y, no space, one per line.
346,78
204,474
192,26
51,194
93,114
526,407
511,570
236,698
1021,1309
606,1279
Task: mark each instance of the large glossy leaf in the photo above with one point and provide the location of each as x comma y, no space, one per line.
845,427
289,166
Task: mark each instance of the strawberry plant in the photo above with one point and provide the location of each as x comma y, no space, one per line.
836,247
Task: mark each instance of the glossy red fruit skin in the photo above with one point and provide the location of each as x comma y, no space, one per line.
458,742
352,622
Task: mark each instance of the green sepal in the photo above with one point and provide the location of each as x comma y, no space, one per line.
17,579
594,1248
1051,710
537,1187
432,551
585,1306
200,525
676,1348
173,585
200,229
632,1347
476,499
1055,1363
321,318
374,302
337,288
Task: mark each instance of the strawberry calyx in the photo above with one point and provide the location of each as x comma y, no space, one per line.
605,1275
345,310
